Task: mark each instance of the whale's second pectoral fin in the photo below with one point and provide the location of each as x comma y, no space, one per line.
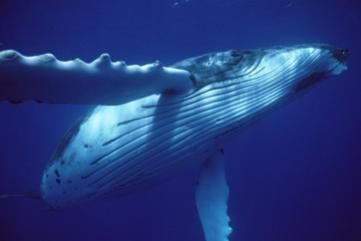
211,199
44,78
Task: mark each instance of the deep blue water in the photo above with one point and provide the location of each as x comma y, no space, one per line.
295,175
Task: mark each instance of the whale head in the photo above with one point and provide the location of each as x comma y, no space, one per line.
295,65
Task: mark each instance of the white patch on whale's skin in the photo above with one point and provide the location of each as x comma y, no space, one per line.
120,149
211,199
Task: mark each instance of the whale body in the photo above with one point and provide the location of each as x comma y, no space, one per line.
142,141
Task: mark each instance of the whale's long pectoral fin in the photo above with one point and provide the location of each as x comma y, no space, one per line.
44,78
211,198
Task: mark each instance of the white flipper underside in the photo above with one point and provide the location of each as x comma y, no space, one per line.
211,198
44,78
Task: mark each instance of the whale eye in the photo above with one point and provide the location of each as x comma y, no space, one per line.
235,53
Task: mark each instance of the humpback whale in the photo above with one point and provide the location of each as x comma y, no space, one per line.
153,122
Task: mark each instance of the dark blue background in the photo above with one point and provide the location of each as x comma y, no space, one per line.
295,175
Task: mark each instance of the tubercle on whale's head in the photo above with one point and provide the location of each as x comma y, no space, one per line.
340,56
